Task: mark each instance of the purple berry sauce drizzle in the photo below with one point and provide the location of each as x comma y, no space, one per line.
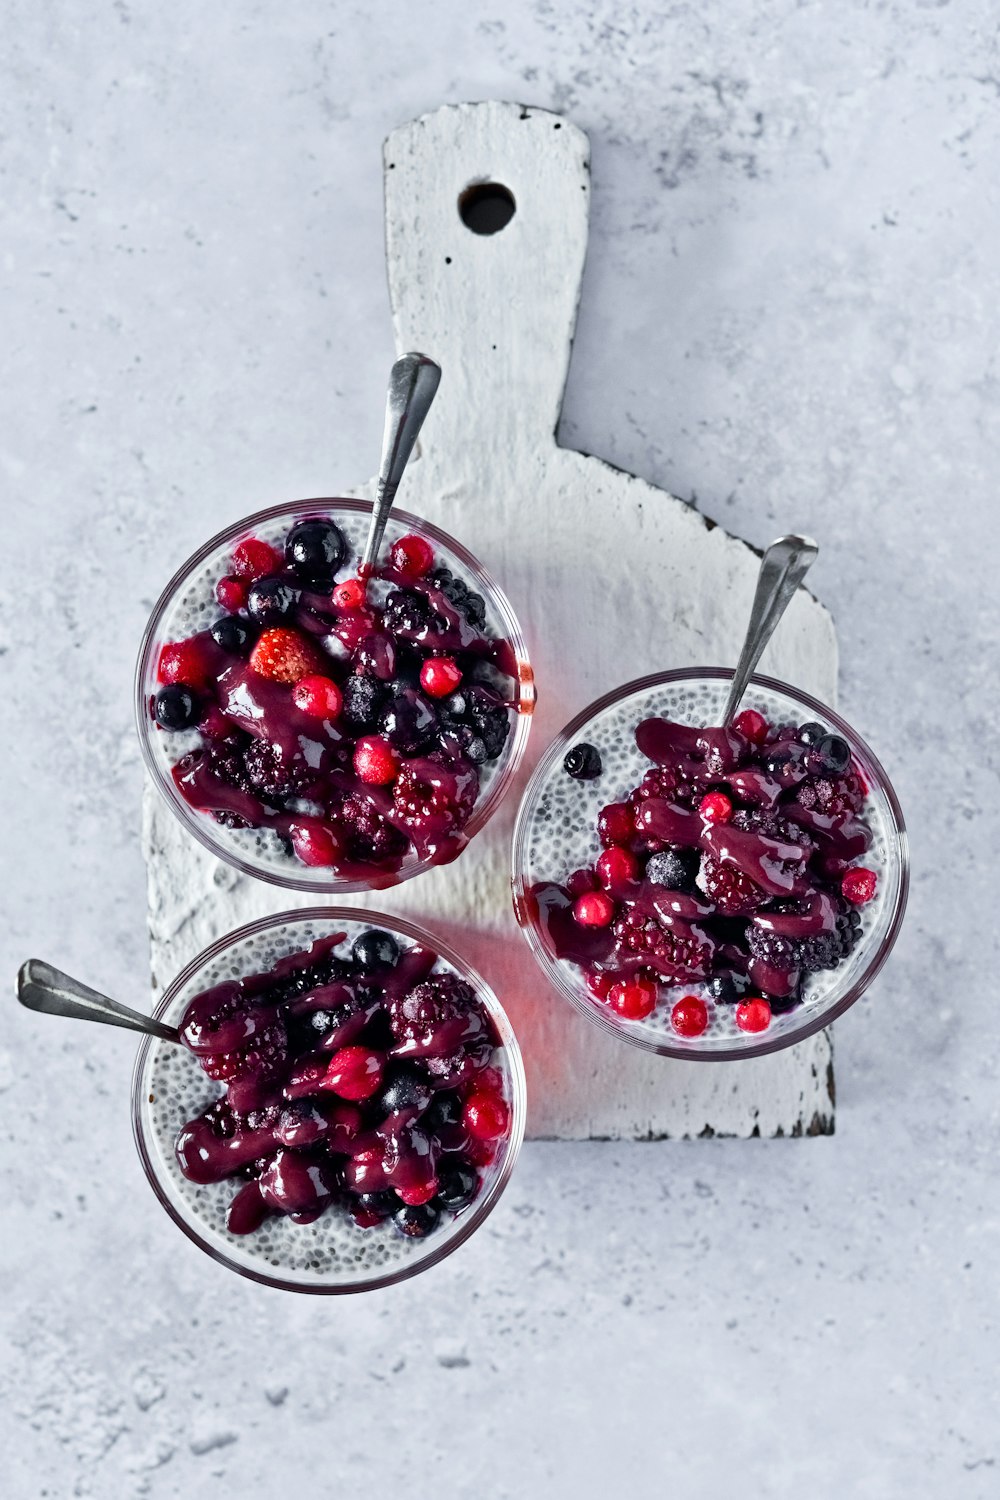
733,870
367,1083
358,726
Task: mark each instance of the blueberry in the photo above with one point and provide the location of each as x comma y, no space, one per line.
409,722
414,1223
811,733
364,697
457,1186
384,1204
583,762
408,1089
315,550
176,707
775,763
375,949
446,1110
456,707
473,745
674,869
834,753
727,989
232,634
271,599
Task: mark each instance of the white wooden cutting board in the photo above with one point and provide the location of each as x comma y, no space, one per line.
610,577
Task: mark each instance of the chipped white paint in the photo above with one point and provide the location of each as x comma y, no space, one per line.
610,577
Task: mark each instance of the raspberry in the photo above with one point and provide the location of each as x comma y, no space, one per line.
231,594
350,594
412,556
594,909
675,956
715,807
753,1015
313,842
270,774
185,661
370,836
633,1000
375,761
319,697
733,893
253,558
284,655
616,866
486,1116
753,725
689,1016
440,676
615,824
858,885
355,1073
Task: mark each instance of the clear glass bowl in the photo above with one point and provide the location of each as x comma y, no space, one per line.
556,833
331,1255
188,603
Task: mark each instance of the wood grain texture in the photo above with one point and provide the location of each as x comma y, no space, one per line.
610,577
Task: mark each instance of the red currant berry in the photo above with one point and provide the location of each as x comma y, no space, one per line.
253,558
753,725
616,867
319,697
599,984
486,1116
440,676
715,807
185,661
753,1015
349,595
594,909
580,882
412,556
355,1073
689,1016
313,842
423,1192
633,1000
615,824
231,594
375,761
858,885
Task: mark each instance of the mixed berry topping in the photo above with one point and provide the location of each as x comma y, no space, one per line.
365,1084
354,718
728,876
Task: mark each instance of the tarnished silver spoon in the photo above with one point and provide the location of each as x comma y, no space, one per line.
42,987
413,383
782,568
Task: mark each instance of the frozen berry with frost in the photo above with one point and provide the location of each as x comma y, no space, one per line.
375,761
253,558
859,885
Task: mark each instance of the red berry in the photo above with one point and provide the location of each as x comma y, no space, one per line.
412,556
253,558
214,725
753,725
350,594
858,885
355,1073
185,661
580,882
440,676
715,807
375,761
486,1116
319,697
599,984
615,824
753,1015
284,655
634,999
689,1016
313,842
594,909
231,594
422,1193
616,866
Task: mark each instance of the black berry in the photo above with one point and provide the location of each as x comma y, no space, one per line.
375,949
315,550
364,697
675,869
583,762
232,634
416,1222
456,1186
811,733
834,753
176,707
271,600
727,989
408,1090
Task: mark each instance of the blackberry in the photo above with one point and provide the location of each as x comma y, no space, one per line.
436,1016
731,891
488,717
370,836
460,595
771,824
271,775
315,550
583,762
824,950
408,613
674,869
225,758
176,707
364,698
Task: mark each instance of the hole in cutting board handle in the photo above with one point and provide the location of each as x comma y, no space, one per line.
486,207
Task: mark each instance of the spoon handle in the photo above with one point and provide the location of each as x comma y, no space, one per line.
782,568
413,383
41,987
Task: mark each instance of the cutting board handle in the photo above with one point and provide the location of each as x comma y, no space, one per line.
496,310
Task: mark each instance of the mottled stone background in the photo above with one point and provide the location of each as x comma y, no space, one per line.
789,318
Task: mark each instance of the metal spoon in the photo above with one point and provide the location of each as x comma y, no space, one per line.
41,987
413,383
782,568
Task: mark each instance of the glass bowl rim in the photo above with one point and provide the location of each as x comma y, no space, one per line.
201,827
591,1008
481,1207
